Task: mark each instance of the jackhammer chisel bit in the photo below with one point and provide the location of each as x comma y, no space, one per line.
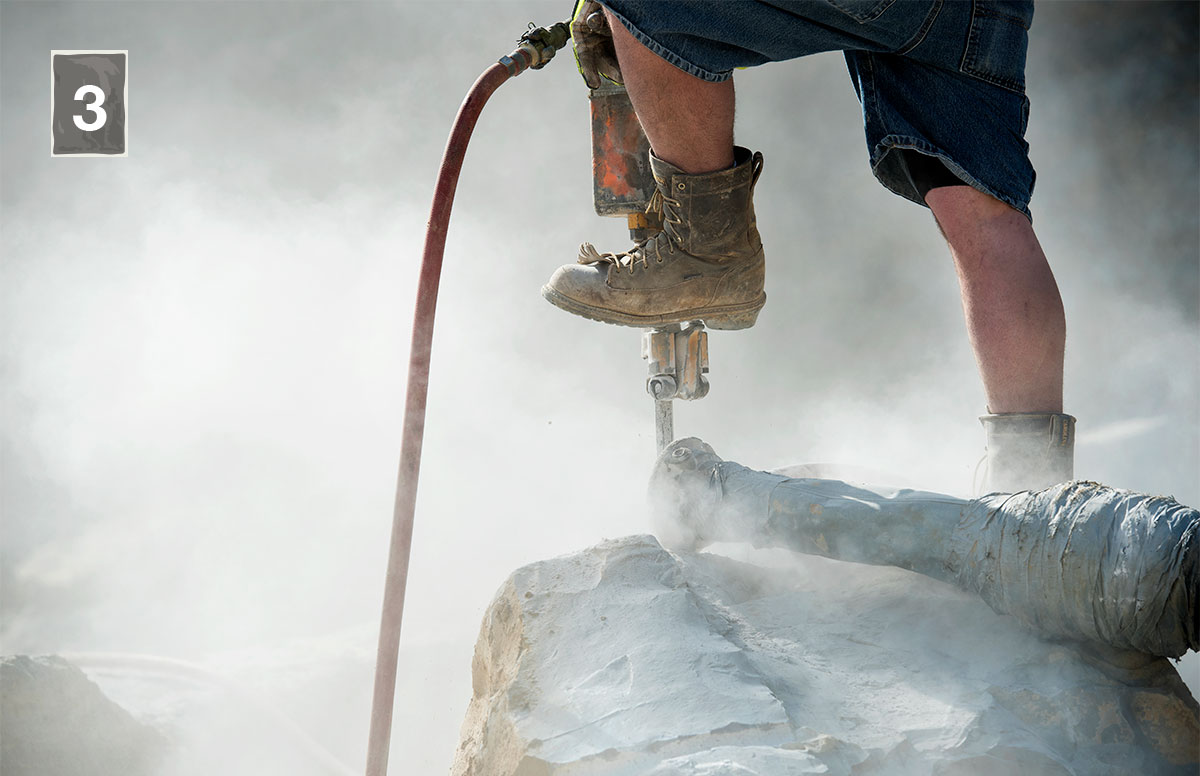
678,360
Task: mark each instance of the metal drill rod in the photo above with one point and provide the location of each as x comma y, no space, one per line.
664,423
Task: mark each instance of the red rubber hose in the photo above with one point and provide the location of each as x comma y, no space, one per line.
414,416
537,47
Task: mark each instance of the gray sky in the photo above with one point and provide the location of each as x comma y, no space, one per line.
205,342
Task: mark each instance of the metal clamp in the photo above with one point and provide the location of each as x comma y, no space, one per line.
678,361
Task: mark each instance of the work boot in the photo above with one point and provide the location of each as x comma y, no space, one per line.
706,263
1028,450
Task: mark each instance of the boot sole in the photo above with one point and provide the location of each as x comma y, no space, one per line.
722,318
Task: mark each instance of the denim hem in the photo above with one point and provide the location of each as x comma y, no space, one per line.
890,142
670,56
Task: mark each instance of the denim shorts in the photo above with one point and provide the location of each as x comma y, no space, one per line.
939,78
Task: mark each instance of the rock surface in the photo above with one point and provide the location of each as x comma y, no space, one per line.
54,721
626,659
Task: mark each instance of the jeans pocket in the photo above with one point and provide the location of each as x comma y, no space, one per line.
862,10
998,42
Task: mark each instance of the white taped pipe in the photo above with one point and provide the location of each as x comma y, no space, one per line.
1078,560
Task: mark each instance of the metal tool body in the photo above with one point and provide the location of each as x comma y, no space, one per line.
622,183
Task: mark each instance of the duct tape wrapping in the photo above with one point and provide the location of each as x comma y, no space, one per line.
1079,561
1082,560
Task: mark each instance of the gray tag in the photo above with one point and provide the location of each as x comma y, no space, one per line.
88,103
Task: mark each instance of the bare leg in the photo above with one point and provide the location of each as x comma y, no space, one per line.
688,120
706,261
1013,309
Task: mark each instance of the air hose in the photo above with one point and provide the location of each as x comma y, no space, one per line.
536,48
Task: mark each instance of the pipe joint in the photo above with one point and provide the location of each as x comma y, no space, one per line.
536,48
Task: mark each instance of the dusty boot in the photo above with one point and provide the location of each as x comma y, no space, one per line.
706,263
1028,451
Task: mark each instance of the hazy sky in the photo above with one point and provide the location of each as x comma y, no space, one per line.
205,342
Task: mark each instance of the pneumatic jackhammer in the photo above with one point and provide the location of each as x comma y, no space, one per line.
622,185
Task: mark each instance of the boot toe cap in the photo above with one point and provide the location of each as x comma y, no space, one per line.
578,281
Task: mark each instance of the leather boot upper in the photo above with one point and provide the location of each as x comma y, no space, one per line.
706,263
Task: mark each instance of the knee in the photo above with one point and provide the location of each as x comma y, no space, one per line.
962,210
979,227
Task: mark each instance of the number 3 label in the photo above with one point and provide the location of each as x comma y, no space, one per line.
97,96
89,103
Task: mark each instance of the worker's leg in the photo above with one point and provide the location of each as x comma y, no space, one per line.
1013,309
706,263
688,120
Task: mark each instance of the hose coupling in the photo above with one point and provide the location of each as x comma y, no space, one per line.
537,47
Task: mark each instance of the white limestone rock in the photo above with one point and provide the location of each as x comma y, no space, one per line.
626,659
54,721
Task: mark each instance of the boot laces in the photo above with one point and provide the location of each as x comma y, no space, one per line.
660,204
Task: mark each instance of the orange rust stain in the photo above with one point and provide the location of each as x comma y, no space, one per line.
619,143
